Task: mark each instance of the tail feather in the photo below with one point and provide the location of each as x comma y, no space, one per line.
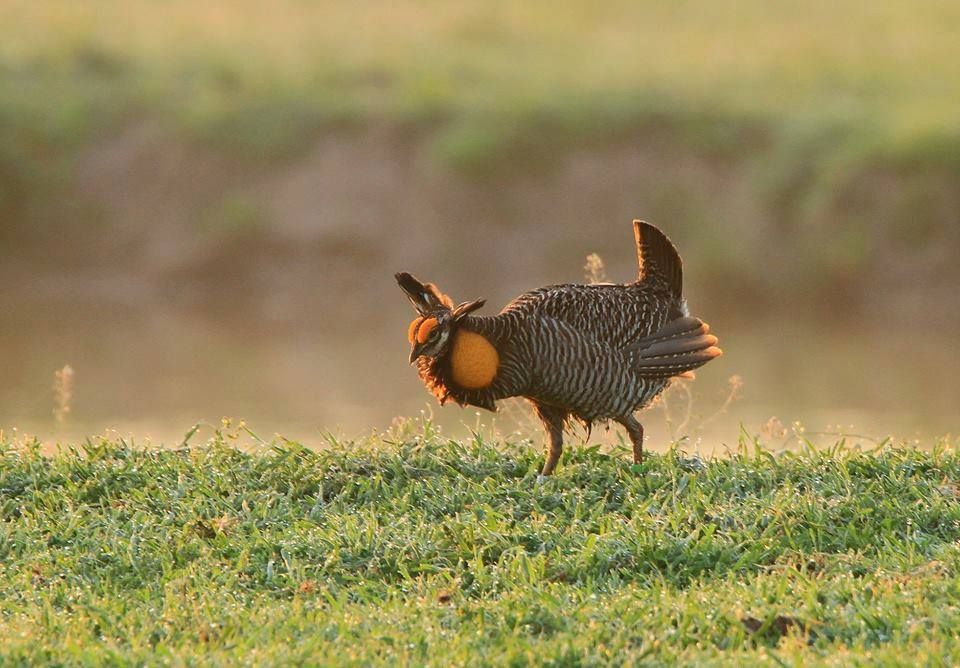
680,346
674,328
685,344
658,257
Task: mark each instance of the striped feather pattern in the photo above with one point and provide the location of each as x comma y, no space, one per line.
590,352
567,346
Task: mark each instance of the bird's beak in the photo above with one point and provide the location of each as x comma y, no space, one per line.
416,351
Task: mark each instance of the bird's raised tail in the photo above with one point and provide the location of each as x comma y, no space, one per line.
679,346
658,258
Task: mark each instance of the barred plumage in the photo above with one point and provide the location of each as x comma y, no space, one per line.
588,352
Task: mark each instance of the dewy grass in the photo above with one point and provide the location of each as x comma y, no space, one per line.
418,549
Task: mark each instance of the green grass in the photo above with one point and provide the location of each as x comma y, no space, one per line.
487,75
417,549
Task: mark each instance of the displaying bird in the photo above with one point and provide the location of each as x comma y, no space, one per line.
588,352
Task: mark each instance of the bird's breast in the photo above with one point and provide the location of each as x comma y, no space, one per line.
474,361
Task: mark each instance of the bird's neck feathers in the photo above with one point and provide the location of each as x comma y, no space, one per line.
465,372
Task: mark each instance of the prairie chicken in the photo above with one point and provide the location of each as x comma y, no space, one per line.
588,352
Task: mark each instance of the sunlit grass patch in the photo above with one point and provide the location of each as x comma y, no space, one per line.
417,545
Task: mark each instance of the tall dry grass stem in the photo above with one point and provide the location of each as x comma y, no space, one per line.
62,394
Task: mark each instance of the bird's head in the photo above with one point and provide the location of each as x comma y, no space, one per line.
430,332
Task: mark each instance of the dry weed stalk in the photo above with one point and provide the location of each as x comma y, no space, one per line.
735,384
773,429
62,393
594,269
682,387
517,417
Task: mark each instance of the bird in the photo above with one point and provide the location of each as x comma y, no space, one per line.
586,352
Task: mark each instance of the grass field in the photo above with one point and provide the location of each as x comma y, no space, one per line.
418,550
850,82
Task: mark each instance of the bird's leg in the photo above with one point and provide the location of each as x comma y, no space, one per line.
554,450
635,430
553,419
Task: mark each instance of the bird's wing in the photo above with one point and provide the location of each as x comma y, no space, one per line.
616,315
572,368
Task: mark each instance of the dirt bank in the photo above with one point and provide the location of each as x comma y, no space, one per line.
183,282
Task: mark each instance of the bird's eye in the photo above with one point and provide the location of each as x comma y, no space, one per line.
425,329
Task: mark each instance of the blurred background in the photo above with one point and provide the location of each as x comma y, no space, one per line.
202,205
